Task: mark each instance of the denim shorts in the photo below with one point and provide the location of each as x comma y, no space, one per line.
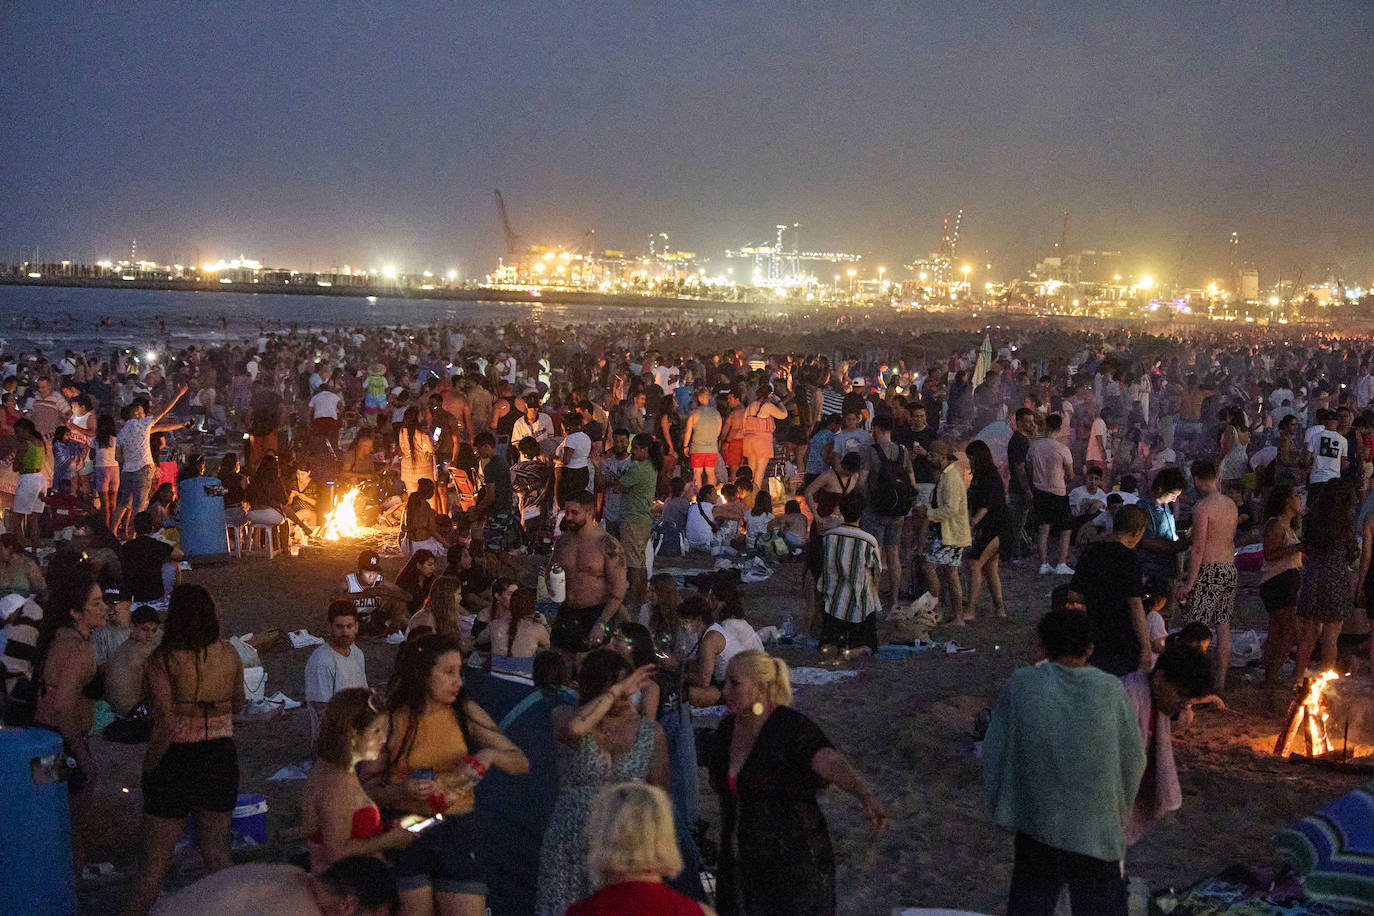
443,857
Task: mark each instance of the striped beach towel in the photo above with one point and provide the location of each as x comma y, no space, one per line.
1334,850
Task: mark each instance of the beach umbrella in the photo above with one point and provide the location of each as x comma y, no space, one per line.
996,435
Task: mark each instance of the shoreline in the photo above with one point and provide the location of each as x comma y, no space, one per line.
481,294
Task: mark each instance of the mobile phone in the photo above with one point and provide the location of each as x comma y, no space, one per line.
437,432
425,824
422,773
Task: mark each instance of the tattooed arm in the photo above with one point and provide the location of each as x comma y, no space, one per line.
615,575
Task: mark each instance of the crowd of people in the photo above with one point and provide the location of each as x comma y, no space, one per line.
884,464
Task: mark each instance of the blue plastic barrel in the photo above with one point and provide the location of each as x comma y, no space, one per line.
202,518
36,876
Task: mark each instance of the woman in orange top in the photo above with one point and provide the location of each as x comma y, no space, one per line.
441,744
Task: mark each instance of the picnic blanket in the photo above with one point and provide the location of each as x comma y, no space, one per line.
1334,851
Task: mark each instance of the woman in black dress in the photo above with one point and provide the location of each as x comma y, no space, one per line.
987,515
767,764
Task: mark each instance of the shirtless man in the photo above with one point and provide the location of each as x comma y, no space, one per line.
596,578
456,403
732,433
1207,593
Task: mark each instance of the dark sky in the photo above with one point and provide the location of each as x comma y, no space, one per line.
328,133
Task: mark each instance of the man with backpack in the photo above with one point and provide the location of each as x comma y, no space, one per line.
889,485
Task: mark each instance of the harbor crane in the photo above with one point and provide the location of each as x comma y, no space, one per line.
513,244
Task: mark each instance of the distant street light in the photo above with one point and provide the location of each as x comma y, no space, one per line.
852,272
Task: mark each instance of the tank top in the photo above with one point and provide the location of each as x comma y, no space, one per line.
507,423
706,432
105,457
1293,561
439,746
755,424
739,636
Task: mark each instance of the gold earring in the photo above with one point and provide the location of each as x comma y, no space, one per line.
757,709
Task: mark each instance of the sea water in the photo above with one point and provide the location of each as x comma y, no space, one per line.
52,318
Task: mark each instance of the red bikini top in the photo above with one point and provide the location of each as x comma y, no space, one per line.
367,823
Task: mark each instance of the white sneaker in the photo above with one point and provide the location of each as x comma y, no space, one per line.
1046,569
1063,569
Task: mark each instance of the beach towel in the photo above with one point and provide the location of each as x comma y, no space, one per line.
1334,850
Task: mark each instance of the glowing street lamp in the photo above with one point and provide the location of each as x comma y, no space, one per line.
852,272
966,270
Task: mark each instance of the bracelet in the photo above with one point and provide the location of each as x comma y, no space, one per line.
477,766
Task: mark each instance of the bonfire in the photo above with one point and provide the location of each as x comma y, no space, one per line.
342,520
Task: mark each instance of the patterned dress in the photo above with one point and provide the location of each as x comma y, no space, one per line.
1327,592
583,771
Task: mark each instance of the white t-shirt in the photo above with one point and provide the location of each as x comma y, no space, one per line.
1097,451
325,405
327,672
1328,448
699,533
1080,495
577,448
1154,624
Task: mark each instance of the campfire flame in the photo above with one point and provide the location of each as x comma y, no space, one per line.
1317,714
342,520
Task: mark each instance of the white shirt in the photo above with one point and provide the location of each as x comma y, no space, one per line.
1329,448
664,375
325,405
1080,495
577,448
541,429
1364,390
327,672
699,533
133,442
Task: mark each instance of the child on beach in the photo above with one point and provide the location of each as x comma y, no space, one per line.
374,392
791,525
758,522
1155,600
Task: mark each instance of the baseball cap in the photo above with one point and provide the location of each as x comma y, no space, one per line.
368,561
857,383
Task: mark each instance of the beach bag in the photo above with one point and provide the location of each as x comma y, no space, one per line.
668,541
892,493
1250,558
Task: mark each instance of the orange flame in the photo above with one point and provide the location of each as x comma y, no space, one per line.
342,520
1317,713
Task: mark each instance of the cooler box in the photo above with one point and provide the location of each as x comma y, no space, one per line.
247,825
36,876
203,532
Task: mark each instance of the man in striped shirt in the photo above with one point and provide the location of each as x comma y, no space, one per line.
849,580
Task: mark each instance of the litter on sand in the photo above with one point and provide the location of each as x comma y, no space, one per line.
302,639
293,771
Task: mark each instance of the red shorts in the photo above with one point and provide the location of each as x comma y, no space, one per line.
704,460
327,425
733,450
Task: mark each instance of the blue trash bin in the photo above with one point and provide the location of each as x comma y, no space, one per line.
203,532
36,877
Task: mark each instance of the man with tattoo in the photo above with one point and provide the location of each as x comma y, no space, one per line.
596,578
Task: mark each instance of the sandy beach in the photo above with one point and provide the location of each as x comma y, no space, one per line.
903,722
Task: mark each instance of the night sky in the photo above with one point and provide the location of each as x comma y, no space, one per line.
319,134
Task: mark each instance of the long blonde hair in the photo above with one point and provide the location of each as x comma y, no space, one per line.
445,605
630,831
770,673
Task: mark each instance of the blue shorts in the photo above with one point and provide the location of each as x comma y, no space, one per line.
443,857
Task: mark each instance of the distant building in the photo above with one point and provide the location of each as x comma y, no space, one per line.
1249,285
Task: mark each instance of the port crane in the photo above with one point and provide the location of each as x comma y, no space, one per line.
774,262
513,243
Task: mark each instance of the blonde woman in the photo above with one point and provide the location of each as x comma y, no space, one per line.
768,762
632,847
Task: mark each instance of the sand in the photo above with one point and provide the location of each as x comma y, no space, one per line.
902,722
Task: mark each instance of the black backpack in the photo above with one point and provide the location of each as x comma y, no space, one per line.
890,493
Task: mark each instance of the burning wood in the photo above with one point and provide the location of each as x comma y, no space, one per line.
342,520
1329,712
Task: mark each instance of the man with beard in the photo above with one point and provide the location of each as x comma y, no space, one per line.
594,563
